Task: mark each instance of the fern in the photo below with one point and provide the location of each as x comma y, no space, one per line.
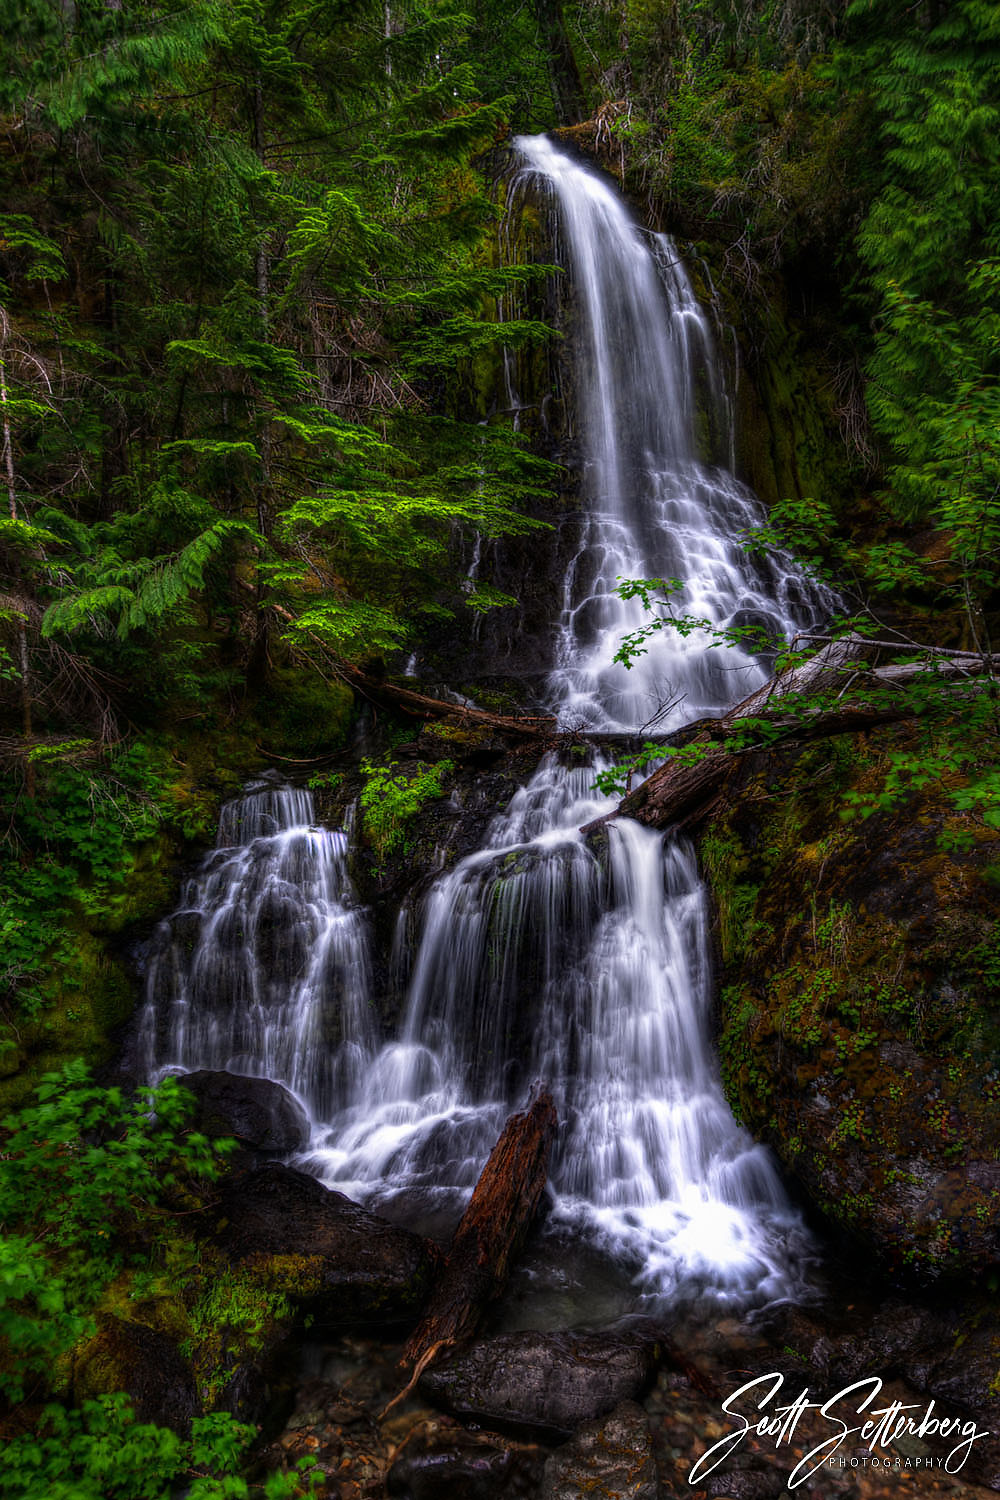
145,592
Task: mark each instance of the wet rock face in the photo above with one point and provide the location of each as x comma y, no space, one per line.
861,1004
612,1456
357,1267
262,1116
541,1384
143,1363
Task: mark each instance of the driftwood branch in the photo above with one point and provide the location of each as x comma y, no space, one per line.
493,1229
680,793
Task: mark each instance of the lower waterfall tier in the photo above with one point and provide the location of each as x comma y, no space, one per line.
541,960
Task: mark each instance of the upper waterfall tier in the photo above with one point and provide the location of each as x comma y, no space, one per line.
645,356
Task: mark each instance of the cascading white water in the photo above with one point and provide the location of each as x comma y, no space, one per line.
541,957
540,961
264,969
653,511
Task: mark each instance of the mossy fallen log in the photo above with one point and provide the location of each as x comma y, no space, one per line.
837,691
422,706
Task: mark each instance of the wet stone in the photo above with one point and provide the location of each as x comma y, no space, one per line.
542,1384
746,1484
261,1115
611,1456
146,1365
465,1471
368,1270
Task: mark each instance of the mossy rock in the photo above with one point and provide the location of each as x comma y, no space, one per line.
860,1025
241,1317
300,714
84,1003
145,1364
225,1323
459,738
157,1302
349,1266
149,889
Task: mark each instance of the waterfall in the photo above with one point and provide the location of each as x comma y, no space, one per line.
540,961
653,511
540,957
264,968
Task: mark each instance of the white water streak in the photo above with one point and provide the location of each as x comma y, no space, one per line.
264,969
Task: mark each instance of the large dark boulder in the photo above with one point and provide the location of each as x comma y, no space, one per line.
348,1265
262,1116
143,1363
542,1384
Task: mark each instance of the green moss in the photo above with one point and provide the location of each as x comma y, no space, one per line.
83,1003
726,864
241,1314
155,1299
148,891
460,735
301,714
859,1043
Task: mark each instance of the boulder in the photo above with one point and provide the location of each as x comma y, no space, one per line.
542,1384
143,1363
355,1266
611,1456
262,1116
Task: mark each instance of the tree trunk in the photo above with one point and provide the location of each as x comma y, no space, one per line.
422,706
492,1231
258,662
564,75
21,627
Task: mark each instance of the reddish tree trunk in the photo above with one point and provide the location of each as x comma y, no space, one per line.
491,1233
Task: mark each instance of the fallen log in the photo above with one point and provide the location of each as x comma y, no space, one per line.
676,796
423,706
683,792
492,1231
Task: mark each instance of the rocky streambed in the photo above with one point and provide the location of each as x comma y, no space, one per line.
617,1406
630,1410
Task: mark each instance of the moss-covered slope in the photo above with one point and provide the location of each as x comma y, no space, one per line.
860,1011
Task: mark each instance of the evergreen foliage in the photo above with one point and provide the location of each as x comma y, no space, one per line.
257,243
930,244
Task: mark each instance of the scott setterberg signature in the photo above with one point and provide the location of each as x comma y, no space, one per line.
882,1425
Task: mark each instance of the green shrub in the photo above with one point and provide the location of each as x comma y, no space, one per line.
392,797
81,1170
